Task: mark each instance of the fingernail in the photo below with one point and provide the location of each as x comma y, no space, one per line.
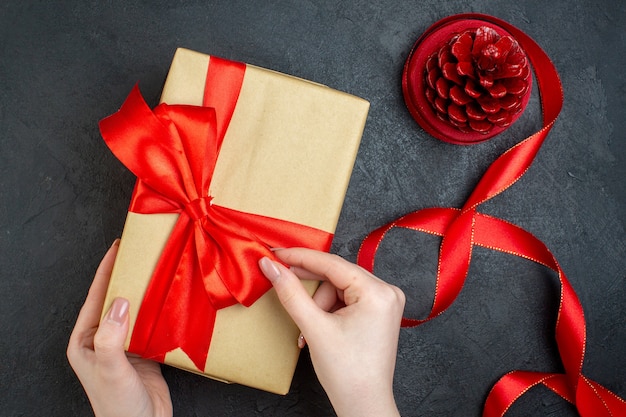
276,249
118,311
269,268
116,242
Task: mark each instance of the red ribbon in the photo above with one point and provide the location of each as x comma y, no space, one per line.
463,228
210,259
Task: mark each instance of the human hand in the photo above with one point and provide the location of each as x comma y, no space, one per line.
117,384
351,325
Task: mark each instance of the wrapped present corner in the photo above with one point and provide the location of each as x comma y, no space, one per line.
234,161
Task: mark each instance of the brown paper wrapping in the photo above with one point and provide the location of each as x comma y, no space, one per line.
288,153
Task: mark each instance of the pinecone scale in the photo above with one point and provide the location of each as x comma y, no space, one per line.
477,81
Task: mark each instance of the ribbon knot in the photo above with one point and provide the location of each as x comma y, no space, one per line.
199,208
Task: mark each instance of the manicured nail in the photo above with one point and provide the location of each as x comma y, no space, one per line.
118,311
116,242
269,268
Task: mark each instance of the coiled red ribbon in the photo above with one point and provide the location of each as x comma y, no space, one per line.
463,228
210,259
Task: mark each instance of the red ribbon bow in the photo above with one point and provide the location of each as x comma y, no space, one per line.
464,228
210,259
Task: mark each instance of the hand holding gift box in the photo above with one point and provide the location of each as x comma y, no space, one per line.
352,325
264,162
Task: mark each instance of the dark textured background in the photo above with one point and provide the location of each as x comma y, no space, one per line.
65,65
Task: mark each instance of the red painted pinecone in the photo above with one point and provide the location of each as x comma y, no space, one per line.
477,80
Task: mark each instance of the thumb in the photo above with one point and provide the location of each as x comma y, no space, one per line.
292,295
111,335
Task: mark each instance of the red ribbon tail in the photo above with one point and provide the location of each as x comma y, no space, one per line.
509,388
163,323
454,260
593,400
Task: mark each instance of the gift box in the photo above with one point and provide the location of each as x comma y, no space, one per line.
285,154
